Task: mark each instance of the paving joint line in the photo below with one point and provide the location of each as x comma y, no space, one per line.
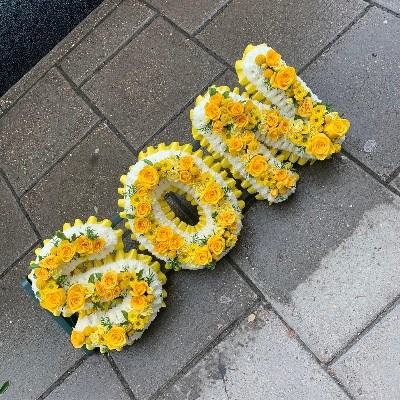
134,35
207,349
356,338
181,110
96,110
369,171
19,259
393,175
59,60
268,303
121,378
61,158
63,377
383,8
18,201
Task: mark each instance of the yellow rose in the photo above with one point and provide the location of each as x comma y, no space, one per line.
98,245
272,118
203,256
248,137
164,234
235,144
273,133
161,248
283,78
226,218
320,146
143,208
42,273
254,145
216,99
148,176
77,339
272,59
305,107
41,283
225,118
186,162
185,177
216,245
84,245
76,298
176,242
139,288
242,120
260,59
268,73
212,111
100,289
53,300
109,280
66,251
142,191
88,330
284,126
280,175
115,338
299,93
257,166
236,109
217,126
212,194
50,262
274,192
337,128
141,225
289,181
139,303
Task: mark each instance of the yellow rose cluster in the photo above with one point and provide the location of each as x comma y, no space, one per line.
176,242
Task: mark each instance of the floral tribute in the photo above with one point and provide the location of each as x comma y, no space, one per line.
153,223
230,125
316,132
116,296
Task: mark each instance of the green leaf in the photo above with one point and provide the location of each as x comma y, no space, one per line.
226,94
140,275
129,216
148,162
214,215
150,278
97,304
328,107
4,387
125,314
91,234
95,277
61,235
62,280
212,265
34,266
212,91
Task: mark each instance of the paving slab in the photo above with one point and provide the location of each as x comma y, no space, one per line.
188,15
396,183
150,80
363,90
94,379
17,234
260,359
298,30
103,41
328,257
85,183
40,127
393,5
60,50
371,368
200,305
34,350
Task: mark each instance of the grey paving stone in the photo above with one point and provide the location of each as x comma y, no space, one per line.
396,183
105,39
393,5
93,380
180,129
328,257
363,90
16,233
40,127
87,178
187,14
34,350
371,368
62,48
200,305
298,30
154,76
258,360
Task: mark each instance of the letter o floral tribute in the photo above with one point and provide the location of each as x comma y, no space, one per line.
153,223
